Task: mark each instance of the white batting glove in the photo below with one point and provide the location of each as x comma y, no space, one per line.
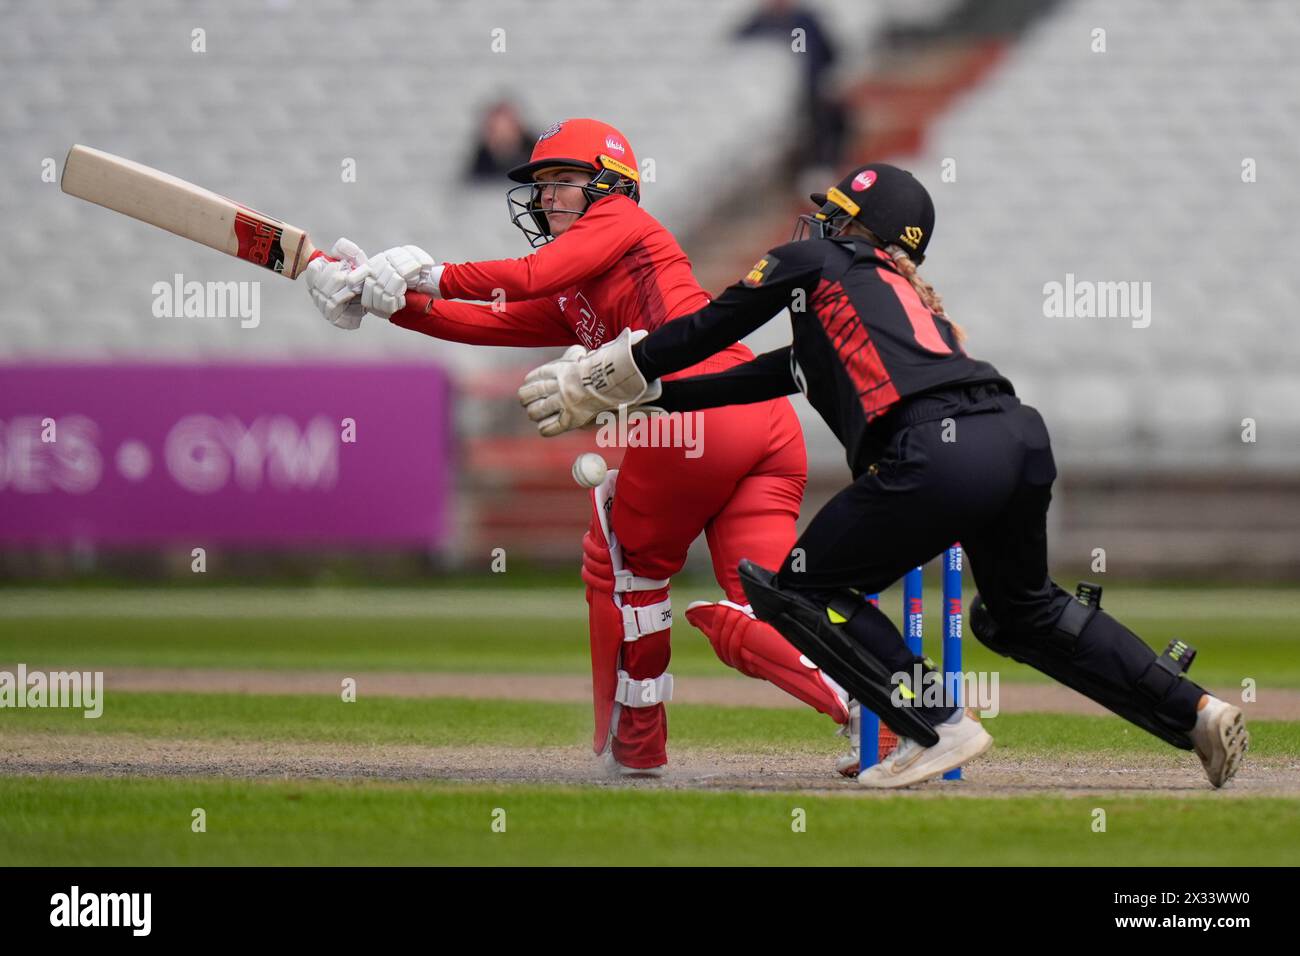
393,273
335,287
567,394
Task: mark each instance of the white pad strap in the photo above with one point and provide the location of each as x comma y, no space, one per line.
640,621
744,609
627,581
643,693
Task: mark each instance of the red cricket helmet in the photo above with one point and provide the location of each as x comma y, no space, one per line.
582,143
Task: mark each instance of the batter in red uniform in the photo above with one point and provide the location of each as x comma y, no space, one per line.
604,265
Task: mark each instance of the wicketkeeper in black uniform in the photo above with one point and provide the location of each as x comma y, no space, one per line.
941,450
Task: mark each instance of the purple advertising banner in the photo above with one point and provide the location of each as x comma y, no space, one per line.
253,454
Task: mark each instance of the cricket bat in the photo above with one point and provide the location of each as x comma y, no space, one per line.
187,210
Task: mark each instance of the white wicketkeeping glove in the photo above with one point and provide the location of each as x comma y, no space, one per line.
570,392
335,287
393,273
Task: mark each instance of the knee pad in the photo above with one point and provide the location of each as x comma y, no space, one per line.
757,650
1091,652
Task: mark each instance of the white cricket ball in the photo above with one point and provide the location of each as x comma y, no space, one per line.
589,469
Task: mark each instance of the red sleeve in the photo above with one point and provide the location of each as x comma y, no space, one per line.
522,322
590,247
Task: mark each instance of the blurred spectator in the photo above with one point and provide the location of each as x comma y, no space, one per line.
503,142
823,113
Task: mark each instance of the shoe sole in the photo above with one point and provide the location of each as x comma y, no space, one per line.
614,770
957,758
620,772
1235,741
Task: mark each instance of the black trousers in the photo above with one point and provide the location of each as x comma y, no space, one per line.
980,473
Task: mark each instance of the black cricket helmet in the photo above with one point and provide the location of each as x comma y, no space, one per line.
887,200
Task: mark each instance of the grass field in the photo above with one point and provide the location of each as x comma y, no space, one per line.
148,822
1240,633
107,798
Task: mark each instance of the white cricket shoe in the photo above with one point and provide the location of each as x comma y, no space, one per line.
849,764
615,769
959,742
1220,739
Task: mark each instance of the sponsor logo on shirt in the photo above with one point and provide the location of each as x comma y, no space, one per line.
590,329
762,268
